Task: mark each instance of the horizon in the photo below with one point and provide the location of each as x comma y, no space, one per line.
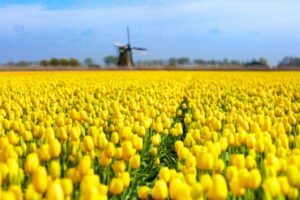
215,29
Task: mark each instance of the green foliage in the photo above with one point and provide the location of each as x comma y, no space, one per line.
54,62
110,60
44,63
74,62
63,62
88,62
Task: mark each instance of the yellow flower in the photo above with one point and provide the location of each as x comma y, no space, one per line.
272,187
128,150
143,192
110,150
17,191
74,175
160,190
44,154
205,161
74,133
236,189
135,161
142,131
60,121
173,188
254,179
196,191
67,186
119,166
104,160
116,186
206,182
183,192
219,187
153,151
157,161
125,176
54,169
13,167
54,148
31,163
92,193
155,139
293,175
164,174
40,179
55,192
219,166
63,135
115,138
250,162
88,181
284,185
88,143
84,165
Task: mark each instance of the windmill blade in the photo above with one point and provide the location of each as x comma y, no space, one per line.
128,35
119,44
139,49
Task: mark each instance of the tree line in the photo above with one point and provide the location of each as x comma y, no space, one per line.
213,62
111,60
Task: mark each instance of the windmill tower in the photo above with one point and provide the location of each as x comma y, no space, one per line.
125,52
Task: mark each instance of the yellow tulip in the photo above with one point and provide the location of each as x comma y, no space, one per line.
40,180
219,187
67,186
55,192
54,169
54,148
88,143
160,190
143,192
116,186
31,163
135,161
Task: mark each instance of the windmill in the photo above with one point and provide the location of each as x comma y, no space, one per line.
125,52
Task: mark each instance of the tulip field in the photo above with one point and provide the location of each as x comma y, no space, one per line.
149,135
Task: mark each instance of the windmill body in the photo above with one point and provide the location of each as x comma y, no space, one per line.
125,52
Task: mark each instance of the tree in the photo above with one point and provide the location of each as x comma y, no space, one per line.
23,63
63,62
44,63
183,61
289,62
10,63
235,62
74,62
172,61
263,61
110,60
225,61
54,62
199,62
88,62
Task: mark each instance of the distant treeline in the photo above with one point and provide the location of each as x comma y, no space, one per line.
289,62
182,61
187,61
55,62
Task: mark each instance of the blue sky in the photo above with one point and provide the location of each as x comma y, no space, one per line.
234,29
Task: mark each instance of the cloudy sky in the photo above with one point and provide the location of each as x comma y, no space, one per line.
234,29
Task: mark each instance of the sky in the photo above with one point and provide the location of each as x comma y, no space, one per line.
207,29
